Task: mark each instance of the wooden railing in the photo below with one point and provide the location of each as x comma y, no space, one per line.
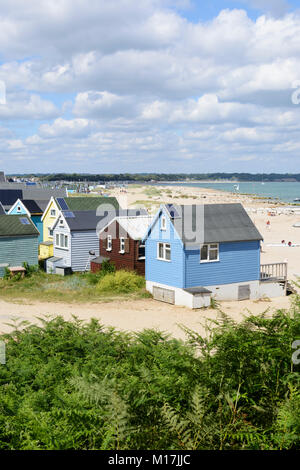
273,272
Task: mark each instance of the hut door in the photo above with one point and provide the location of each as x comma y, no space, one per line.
244,292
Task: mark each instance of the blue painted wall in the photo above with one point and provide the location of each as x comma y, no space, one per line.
37,220
165,272
16,212
238,261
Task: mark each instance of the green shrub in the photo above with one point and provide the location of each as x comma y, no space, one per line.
77,385
30,269
106,268
122,282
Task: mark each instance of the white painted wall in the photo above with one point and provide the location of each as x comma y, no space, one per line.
182,298
225,292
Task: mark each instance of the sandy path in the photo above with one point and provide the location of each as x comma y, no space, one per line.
136,315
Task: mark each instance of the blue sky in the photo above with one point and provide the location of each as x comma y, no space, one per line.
155,85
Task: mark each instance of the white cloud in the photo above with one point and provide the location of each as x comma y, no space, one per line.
25,106
133,84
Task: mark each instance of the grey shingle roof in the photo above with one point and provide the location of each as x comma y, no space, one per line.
89,220
11,225
42,194
213,223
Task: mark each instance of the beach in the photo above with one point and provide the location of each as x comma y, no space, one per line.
147,313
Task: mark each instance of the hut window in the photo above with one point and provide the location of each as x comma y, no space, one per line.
163,223
141,250
53,212
109,243
122,245
209,253
164,251
62,240
19,209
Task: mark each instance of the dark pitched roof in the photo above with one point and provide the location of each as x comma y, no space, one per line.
32,206
9,196
11,225
89,220
88,203
213,223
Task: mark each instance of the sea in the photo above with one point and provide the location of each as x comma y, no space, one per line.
282,191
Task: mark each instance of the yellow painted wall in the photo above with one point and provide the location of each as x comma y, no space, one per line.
45,251
49,220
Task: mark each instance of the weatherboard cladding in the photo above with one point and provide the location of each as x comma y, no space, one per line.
165,272
81,244
58,252
239,261
16,250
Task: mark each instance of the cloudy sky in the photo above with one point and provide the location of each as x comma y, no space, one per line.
149,86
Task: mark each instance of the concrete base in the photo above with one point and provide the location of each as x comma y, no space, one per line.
255,289
183,298
231,291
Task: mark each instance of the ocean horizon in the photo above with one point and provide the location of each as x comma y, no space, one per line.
281,191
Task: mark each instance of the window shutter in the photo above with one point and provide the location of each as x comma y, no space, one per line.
126,245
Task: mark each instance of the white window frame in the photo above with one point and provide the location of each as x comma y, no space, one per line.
163,223
49,232
65,238
122,245
52,214
109,243
164,251
19,209
209,248
142,245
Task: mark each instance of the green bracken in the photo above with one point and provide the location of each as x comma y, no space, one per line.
77,385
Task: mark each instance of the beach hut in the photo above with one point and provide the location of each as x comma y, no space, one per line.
18,242
57,205
120,242
34,210
195,253
76,239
